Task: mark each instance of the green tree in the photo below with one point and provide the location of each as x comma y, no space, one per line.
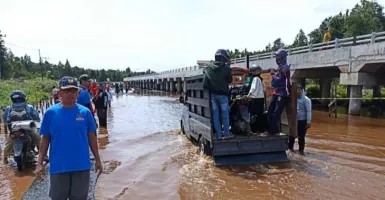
300,39
364,19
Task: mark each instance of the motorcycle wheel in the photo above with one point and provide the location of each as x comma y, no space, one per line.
20,162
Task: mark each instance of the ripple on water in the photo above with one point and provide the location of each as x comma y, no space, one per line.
345,160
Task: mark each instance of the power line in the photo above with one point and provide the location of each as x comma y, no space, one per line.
8,43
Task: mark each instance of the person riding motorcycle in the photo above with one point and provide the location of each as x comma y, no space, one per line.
19,111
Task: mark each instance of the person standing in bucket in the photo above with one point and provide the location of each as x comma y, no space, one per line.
304,119
216,79
281,84
69,130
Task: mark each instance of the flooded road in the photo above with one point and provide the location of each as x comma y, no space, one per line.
146,157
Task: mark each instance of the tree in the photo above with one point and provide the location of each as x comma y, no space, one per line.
364,19
277,44
300,39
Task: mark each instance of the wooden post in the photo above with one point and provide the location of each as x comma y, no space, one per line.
291,110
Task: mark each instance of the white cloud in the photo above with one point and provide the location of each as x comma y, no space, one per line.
155,34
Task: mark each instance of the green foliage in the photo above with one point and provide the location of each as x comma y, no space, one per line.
365,18
23,67
36,89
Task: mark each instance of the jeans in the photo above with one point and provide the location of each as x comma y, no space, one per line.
220,102
301,136
277,104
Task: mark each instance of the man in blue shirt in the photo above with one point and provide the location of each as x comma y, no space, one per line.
304,119
84,97
68,123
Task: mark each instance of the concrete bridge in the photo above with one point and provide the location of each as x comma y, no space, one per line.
356,61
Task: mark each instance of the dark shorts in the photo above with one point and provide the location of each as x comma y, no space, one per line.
70,185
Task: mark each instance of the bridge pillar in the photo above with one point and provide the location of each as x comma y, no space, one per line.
161,86
301,81
325,90
376,94
184,86
355,104
179,88
167,83
172,85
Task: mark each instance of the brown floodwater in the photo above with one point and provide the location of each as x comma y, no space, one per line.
146,157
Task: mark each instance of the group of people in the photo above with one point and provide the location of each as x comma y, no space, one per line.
120,86
70,121
92,92
218,76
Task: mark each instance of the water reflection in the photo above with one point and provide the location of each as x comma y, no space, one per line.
345,155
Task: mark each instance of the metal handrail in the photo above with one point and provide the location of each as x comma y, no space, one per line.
337,43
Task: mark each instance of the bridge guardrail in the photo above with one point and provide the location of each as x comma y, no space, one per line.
337,43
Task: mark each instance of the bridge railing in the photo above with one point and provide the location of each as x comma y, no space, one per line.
337,43
177,71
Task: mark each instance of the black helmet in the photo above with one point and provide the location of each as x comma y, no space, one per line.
18,96
222,56
255,69
84,77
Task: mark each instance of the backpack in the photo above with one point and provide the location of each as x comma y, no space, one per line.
19,113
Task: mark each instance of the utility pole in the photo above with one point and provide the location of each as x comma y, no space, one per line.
44,64
1,54
41,66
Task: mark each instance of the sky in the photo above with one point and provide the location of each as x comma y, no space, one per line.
154,34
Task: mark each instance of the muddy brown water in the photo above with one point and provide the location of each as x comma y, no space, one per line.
146,157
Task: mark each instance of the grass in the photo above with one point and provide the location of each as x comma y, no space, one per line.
35,89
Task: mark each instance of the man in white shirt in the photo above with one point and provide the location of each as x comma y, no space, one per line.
257,97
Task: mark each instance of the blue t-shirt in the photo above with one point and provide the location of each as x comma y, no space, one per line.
84,97
68,129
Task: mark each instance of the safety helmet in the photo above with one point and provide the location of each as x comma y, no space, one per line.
18,96
255,69
222,56
281,57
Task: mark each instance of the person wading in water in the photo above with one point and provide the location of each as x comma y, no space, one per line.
101,104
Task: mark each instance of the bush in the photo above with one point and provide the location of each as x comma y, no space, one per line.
35,89
313,91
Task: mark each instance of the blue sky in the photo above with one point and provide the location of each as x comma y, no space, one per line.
155,34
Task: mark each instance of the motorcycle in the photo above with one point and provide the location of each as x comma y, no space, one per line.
23,148
239,111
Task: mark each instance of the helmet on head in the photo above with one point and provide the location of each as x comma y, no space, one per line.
255,69
280,57
222,56
18,96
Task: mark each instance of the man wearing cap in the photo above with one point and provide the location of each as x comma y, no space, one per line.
84,98
68,123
